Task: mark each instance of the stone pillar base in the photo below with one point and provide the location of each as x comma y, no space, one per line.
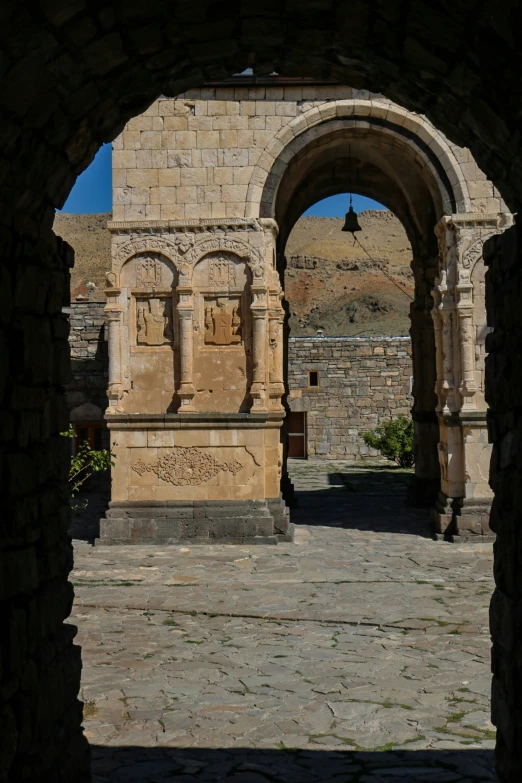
461,519
196,522
472,520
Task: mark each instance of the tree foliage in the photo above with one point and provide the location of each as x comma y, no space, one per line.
394,440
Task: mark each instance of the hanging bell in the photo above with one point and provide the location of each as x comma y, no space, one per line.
350,222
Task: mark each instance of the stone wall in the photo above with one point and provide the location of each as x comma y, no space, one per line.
362,382
40,723
503,254
89,355
207,153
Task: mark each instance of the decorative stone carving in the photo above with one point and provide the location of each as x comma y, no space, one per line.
148,272
154,322
148,243
184,242
222,244
222,273
223,321
187,465
457,314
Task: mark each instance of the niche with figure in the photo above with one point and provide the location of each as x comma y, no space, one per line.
149,336
222,333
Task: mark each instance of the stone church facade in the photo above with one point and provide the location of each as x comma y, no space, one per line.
206,189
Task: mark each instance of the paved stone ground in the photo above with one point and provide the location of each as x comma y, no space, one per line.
360,653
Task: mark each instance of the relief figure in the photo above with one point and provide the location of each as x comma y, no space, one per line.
222,322
154,322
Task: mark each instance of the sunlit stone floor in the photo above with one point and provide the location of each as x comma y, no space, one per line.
358,653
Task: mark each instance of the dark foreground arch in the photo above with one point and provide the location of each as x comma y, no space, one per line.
72,74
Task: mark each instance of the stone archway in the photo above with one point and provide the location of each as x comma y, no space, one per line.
401,160
73,76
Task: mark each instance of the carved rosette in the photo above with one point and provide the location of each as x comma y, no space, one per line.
184,466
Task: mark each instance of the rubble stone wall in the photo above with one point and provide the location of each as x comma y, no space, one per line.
363,381
89,355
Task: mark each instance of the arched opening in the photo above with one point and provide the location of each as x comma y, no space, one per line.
73,77
397,169
349,368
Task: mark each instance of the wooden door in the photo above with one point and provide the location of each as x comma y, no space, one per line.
296,431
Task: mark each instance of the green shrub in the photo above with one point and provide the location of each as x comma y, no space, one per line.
394,439
85,462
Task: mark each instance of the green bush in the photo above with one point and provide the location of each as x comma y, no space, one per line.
85,462
394,439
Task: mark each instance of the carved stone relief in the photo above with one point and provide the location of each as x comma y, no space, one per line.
187,465
148,272
223,245
221,273
223,320
154,321
145,244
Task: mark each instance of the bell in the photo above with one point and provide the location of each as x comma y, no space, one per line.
350,222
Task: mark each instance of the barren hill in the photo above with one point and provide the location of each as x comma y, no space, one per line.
330,283
89,237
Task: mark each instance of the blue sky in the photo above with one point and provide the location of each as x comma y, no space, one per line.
92,193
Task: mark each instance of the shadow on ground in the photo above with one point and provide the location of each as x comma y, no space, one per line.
87,510
245,765
371,498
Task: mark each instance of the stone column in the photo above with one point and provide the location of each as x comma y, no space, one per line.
185,309
439,352
275,337
464,500
113,313
258,309
468,386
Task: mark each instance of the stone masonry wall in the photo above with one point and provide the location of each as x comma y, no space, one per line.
40,712
502,255
362,382
196,157
89,355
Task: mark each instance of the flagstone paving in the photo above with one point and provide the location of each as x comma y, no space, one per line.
358,653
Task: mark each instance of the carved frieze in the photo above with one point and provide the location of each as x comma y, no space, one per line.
144,244
223,320
223,245
154,321
187,465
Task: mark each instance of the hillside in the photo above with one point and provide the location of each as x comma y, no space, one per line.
89,237
330,283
